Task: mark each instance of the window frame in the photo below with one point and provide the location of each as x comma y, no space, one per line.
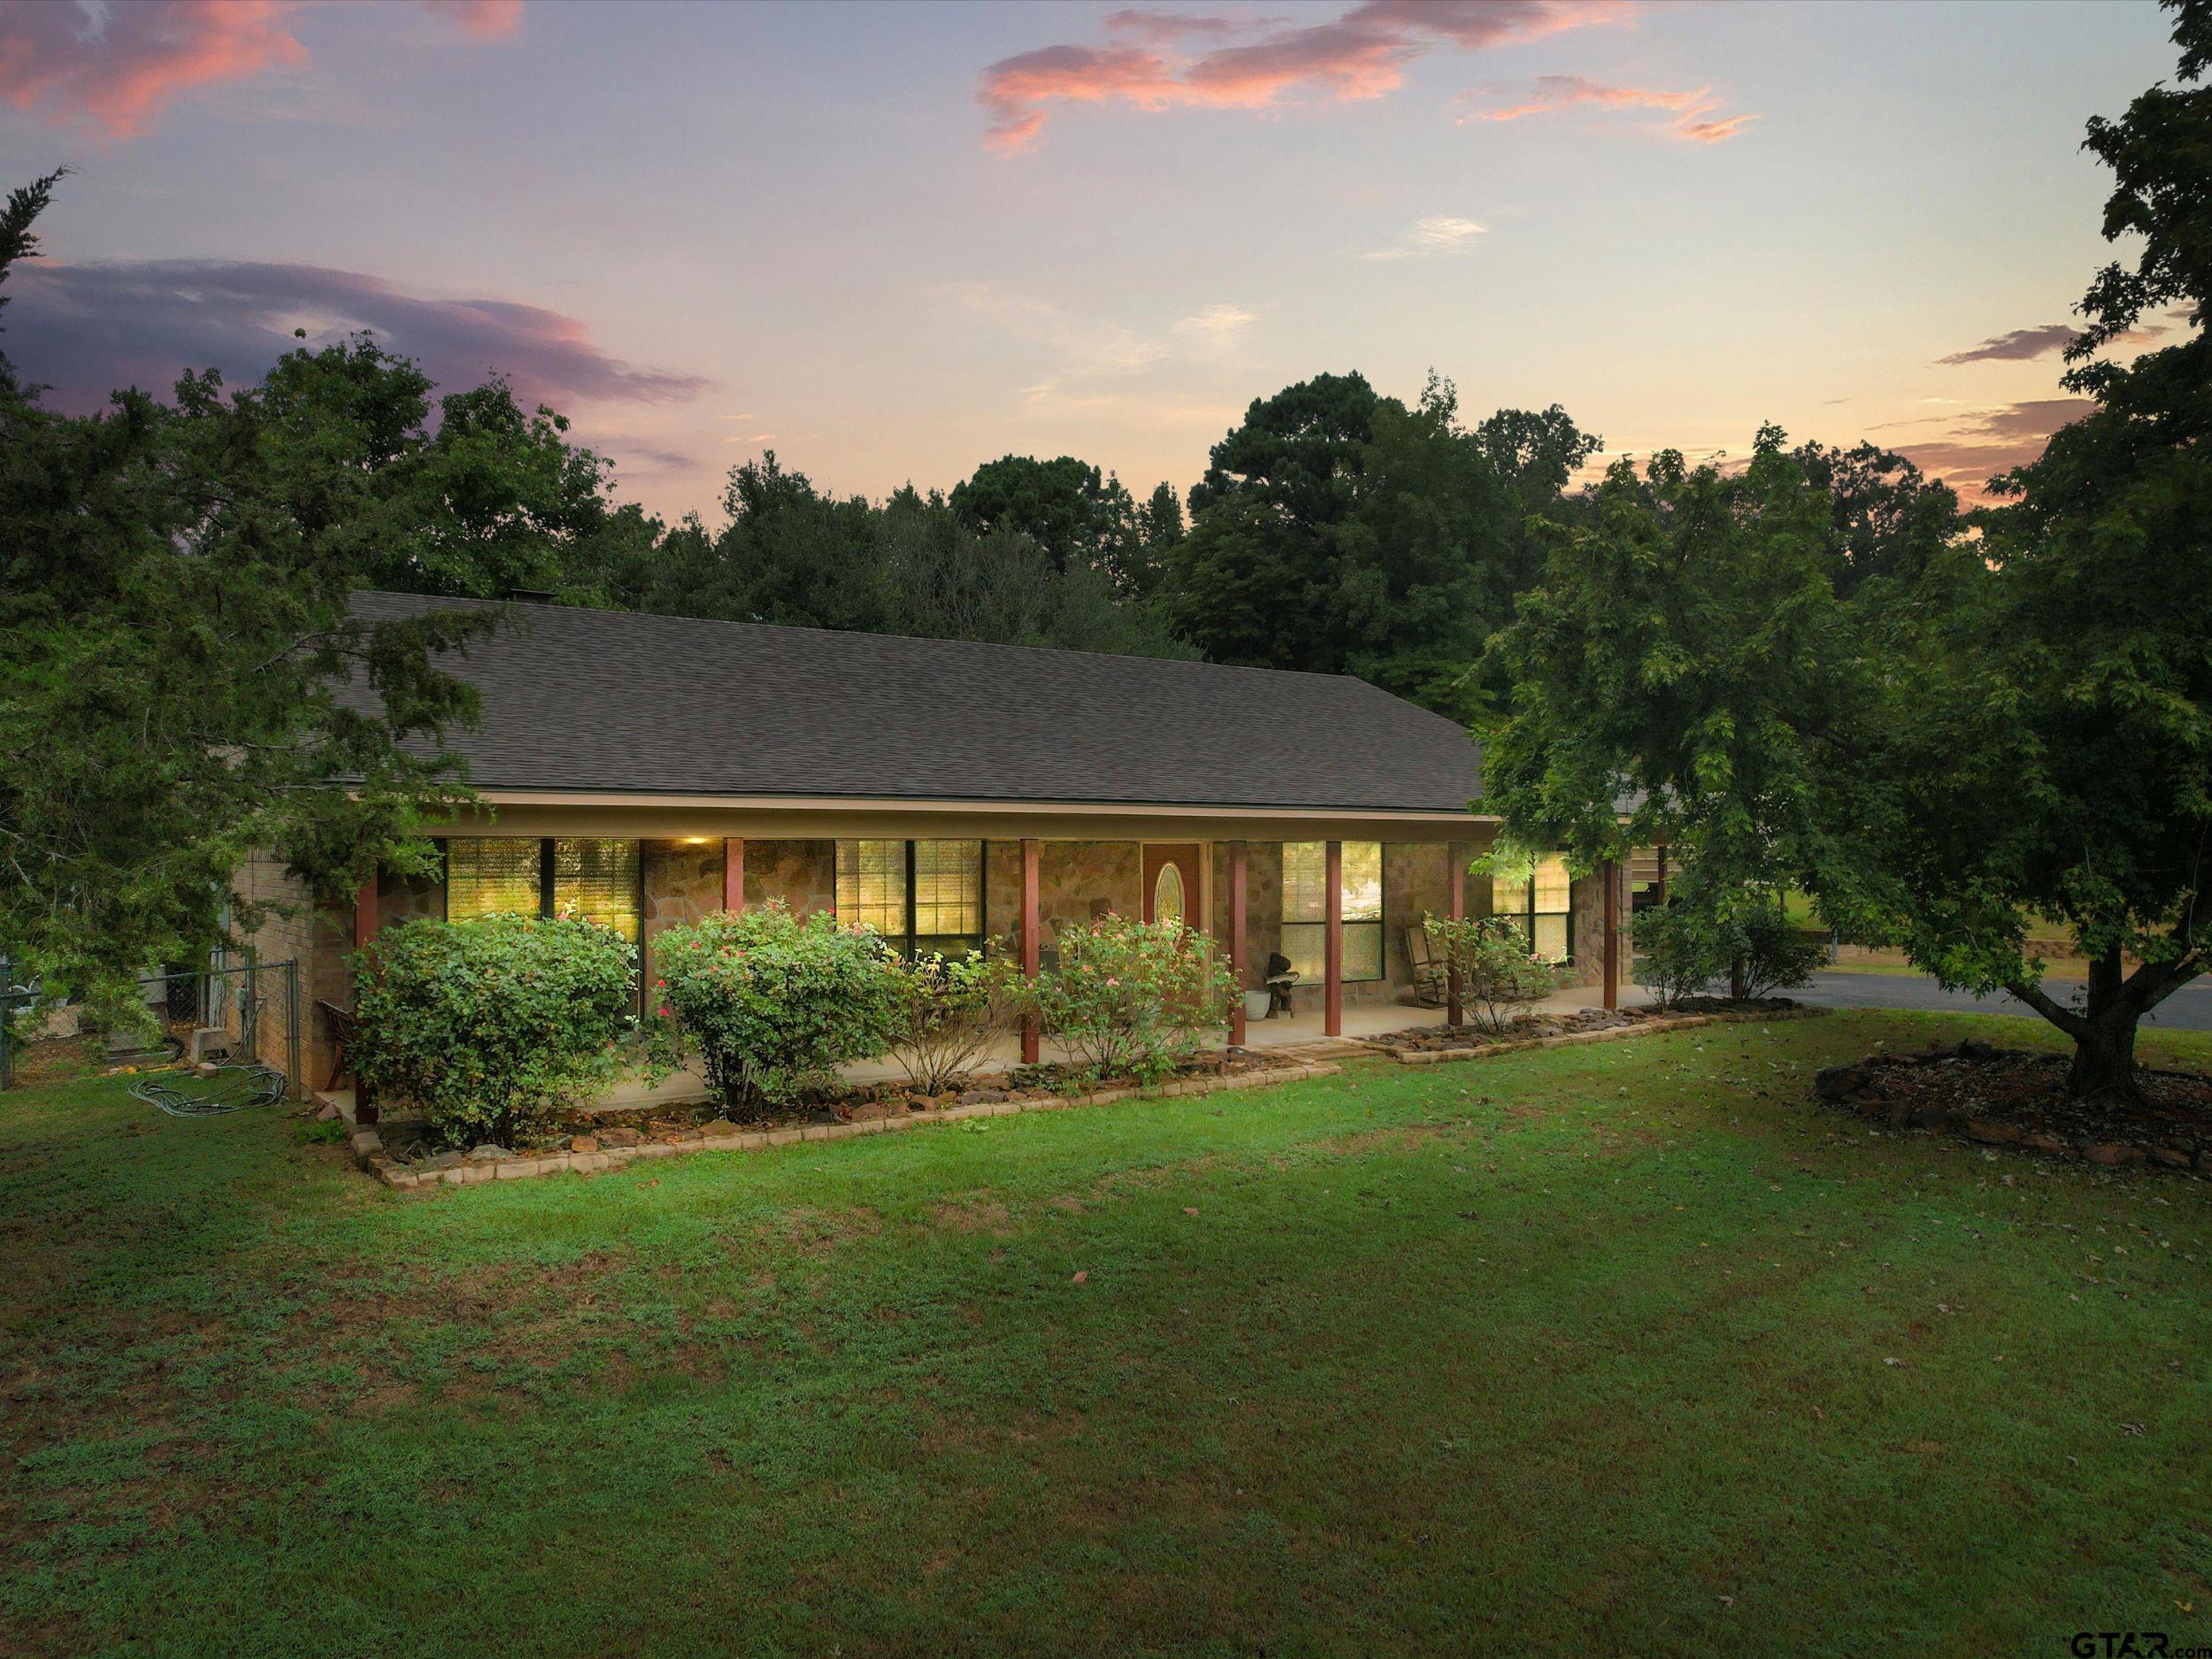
547,903
1525,914
1380,923
907,942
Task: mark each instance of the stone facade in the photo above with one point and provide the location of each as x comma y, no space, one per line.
683,882
803,874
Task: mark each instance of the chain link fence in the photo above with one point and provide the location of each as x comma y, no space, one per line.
241,1012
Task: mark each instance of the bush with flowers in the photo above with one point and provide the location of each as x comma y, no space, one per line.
1132,999
488,1025
950,1008
775,1002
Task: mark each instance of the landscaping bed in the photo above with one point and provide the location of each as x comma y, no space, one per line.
1422,1045
2010,1097
585,1140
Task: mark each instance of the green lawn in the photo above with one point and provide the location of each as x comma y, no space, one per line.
1584,1352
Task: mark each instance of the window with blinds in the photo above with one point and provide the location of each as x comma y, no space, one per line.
598,880
1542,903
872,886
1305,909
947,890
920,895
491,876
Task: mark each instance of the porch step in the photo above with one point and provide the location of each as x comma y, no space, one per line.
1321,1048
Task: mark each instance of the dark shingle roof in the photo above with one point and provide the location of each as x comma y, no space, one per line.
607,701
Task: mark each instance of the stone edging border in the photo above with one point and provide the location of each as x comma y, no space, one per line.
368,1146
1611,1034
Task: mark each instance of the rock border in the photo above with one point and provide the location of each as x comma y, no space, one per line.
719,1136
1612,1034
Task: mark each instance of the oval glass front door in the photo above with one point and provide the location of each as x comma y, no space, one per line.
1167,895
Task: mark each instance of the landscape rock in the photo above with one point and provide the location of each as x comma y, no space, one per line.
449,1160
583,1143
2113,1155
2172,1157
1992,1133
1841,1082
486,1153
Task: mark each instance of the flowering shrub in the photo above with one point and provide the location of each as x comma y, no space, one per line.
1132,999
486,1025
950,1009
776,1004
1687,944
1499,977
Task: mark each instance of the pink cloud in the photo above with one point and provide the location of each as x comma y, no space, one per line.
1695,112
1988,441
120,67
486,20
1363,54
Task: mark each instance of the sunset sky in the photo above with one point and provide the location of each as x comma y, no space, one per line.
890,242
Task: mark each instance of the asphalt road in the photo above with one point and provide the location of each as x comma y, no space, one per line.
2189,1009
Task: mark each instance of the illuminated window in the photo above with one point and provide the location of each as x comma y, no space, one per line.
598,880
1542,904
509,875
871,886
494,876
1305,912
919,895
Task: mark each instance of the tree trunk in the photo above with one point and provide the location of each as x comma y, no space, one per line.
2104,1036
2104,1057
1736,978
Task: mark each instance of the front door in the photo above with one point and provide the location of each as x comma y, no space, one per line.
1171,883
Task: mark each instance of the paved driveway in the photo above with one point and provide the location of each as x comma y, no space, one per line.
2189,1009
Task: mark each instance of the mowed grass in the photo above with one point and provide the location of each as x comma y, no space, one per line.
1583,1352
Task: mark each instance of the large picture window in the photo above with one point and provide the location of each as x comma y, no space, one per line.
598,880
1542,903
920,895
1305,909
525,876
493,877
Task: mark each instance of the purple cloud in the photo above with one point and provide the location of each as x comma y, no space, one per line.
86,330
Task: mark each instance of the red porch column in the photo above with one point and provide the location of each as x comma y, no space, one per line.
1030,1049
732,874
1611,874
366,921
1236,939
1458,909
1332,942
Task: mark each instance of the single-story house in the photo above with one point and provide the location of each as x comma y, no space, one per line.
647,770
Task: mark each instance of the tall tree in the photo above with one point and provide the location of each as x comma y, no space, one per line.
1974,731
175,629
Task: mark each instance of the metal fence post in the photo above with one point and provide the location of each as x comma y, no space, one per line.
292,1027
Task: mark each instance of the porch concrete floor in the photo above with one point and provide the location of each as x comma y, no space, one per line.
1361,1019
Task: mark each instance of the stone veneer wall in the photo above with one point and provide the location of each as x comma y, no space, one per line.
683,882
1587,896
1072,877
1262,904
803,874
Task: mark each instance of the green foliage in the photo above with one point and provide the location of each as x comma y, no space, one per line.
174,632
1132,999
1805,676
488,1023
1682,949
1498,978
792,555
1338,532
776,1003
949,1010
1777,954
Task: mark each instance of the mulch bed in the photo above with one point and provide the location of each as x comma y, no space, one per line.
2012,1097
616,1128
1535,1027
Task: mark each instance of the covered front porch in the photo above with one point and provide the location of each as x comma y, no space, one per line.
1335,899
